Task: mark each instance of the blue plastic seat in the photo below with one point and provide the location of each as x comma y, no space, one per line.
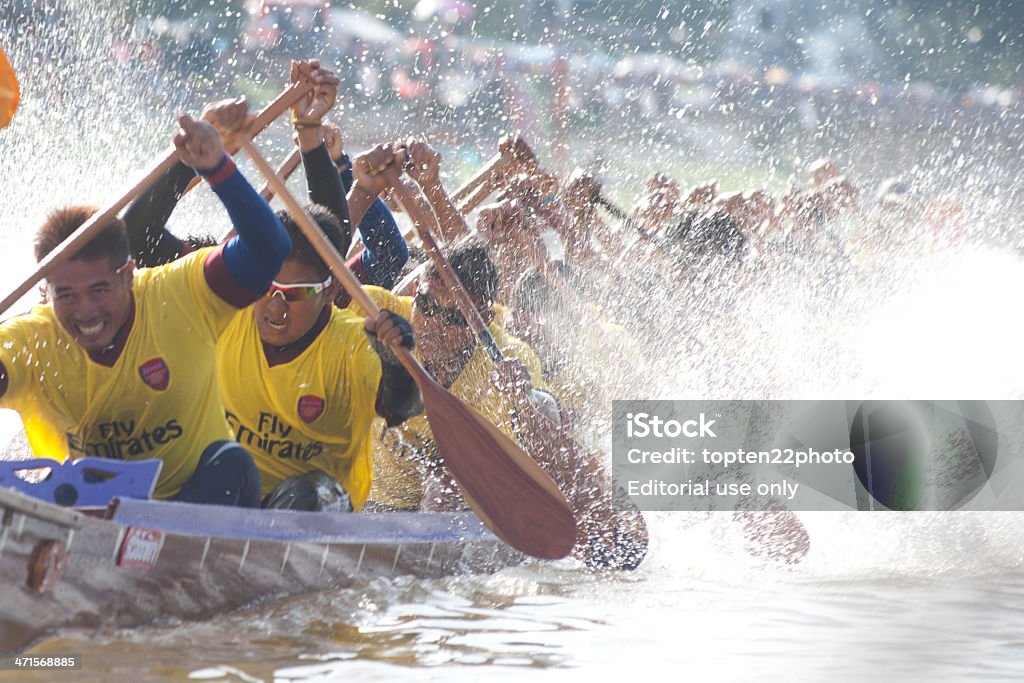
88,482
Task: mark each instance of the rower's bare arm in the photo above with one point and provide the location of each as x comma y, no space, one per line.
309,111
375,171
424,166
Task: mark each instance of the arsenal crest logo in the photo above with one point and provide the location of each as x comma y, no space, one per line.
155,373
310,407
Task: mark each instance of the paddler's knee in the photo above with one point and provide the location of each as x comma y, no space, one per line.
225,475
309,492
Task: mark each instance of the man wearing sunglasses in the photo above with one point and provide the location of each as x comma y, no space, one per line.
120,363
302,381
451,353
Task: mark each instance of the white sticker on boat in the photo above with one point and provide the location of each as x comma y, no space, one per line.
140,548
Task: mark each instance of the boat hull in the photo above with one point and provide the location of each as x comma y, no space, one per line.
152,560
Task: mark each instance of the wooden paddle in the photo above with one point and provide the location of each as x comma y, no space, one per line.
102,218
607,205
507,490
468,188
10,93
472,193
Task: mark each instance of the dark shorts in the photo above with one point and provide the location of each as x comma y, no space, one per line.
226,475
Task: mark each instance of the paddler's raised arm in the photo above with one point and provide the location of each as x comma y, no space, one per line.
322,179
424,166
146,218
241,270
385,251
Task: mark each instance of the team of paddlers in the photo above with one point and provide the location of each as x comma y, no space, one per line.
245,367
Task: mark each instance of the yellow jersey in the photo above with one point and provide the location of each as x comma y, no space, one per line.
159,397
313,412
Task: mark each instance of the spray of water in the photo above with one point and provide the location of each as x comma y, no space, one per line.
898,312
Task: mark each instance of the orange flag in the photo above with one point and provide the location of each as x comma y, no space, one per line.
9,93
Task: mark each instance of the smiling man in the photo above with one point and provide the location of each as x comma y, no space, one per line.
120,363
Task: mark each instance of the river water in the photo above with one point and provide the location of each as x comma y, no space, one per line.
879,596
919,598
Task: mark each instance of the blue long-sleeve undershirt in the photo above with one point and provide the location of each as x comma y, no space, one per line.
386,251
254,256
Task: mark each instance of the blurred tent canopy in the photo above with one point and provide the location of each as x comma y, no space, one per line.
652,64
365,27
263,6
450,11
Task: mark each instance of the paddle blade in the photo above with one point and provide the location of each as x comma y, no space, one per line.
508,490
9,91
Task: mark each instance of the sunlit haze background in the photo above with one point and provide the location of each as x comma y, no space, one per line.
749,93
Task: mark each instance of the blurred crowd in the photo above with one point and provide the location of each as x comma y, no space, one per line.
434,63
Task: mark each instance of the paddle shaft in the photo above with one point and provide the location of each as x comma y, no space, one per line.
605,203
575,470
469,187
512,153
314,234
102,218
507,490
475,190
481,193
284,101
96,223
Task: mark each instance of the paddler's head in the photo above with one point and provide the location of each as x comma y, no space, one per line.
440,328
303,287
92,292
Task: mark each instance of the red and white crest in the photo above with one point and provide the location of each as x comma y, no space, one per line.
310,407
140,548
155,373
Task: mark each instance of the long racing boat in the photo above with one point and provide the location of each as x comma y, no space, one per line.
135,560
